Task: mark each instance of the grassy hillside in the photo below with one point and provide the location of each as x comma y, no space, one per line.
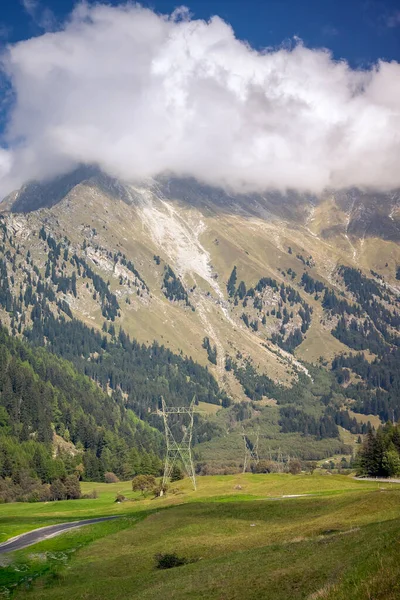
248,536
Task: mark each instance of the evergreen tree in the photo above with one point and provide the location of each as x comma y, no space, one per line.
176,473
379,455
231,285
241,290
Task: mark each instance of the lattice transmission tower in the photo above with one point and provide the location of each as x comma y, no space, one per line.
182,449
250,451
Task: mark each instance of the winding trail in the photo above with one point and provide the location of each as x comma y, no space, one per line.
44,533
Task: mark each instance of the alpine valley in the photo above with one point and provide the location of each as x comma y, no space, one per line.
279,312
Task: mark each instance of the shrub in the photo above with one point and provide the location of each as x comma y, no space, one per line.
7,491
31,489
169,561
40,494
311,465
294,466
266,466
57,490
143,483
160,490
120,498
72,487
91,495
110,477
176,474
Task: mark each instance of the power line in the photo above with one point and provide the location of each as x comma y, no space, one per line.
250,451
182,449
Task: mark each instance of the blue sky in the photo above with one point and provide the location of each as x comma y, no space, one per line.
361,31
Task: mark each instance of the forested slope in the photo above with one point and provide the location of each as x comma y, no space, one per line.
55,421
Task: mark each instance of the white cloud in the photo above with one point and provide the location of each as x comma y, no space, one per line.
30,6
42,17
141,94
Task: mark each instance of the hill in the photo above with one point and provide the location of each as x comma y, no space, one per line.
270,536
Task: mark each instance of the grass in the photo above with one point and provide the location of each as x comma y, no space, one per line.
20,517
208,409
21,568
245,541
373,419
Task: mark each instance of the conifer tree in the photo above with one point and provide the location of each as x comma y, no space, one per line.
230,286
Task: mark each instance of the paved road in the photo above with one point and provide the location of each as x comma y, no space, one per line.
38,535
379,479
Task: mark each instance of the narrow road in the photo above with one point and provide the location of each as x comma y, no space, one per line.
379,479
44,533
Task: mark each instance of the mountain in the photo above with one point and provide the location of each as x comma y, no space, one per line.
282,309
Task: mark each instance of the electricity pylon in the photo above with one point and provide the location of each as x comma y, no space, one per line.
279,460
250,451
182,449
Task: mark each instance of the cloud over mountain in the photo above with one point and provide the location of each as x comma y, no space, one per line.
141,94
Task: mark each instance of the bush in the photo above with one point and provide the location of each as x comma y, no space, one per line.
7,491
91,495
160,490
169,561
294,466
311,465
31,489
266,466
143,483
40,494
110,477
68,488
120,498
57,490
72,487
176,474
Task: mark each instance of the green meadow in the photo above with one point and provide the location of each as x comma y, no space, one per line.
273,536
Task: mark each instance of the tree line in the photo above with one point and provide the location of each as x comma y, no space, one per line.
380,453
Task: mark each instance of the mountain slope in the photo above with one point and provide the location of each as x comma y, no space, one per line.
55,422
255,288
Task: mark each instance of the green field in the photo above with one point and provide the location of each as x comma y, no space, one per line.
340,540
